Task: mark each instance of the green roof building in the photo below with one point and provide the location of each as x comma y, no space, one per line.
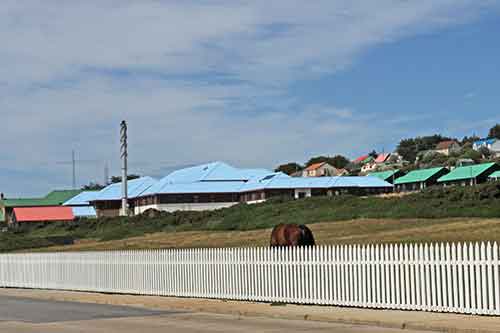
469,175
419,179
388,176
54,198
495,175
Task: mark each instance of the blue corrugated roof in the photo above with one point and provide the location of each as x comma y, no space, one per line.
361,181
85,211
135,188
488,141
211,173
204,187
218,177
282,181
82,199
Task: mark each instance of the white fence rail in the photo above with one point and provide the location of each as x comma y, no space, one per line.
462,278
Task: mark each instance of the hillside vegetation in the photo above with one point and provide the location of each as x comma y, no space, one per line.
430,207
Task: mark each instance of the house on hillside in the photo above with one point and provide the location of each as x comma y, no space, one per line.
320,170
419,179
389,175
447,147
495,148
486,143
362,159
53,199
469,175
382,158
218,185
369,167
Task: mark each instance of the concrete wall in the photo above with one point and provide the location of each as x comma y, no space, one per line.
107,212
185,206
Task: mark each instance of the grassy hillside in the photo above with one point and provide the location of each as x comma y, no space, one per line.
360,231
439,203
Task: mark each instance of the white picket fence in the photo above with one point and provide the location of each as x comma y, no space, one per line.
462,278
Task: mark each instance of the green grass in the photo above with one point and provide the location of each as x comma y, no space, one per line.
434,203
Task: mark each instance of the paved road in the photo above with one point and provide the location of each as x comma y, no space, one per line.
24,315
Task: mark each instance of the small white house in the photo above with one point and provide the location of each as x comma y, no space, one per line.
486,143
495,148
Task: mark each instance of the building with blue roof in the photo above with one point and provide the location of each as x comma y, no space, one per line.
82,204
486,143
218,185
107,201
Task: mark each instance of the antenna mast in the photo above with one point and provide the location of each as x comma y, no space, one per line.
124,155
73,161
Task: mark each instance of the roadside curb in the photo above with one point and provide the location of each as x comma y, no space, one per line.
410,320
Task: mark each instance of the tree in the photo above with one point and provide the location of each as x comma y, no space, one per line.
485,152
92,187
409,148
337,161
472,154
118,179
469,140
289,168
494,132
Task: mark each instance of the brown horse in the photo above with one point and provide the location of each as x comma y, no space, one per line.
291,235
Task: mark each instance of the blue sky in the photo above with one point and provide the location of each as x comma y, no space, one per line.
251,83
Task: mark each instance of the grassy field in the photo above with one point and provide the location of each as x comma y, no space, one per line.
453,214
361,231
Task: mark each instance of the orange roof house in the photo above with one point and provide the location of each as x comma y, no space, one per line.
319,170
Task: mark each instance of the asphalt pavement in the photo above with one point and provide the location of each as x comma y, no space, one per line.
26,315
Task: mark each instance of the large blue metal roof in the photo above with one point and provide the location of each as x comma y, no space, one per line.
135,188
219,177
203,187
361,181
213,174
82,199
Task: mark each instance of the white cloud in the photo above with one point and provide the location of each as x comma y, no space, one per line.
196,80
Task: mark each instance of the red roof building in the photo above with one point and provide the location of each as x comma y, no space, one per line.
381,158
43,214
361,159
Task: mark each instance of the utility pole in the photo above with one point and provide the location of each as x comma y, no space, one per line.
73,163
106,174
124,155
